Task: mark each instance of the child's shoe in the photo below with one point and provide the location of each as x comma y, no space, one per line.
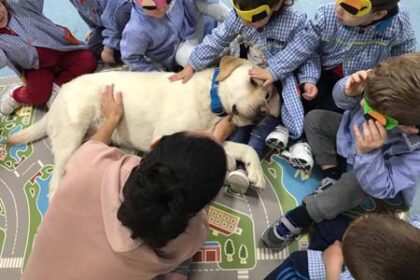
7,103
230,162
278,138
281,234
238,181
54,92
301,156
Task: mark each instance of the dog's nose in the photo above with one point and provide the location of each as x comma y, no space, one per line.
235,110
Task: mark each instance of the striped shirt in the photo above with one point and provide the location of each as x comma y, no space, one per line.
33,30
276,35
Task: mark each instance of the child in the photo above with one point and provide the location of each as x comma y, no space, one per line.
48,54
349,36
268,26
162,33
106,20
348,40
136,218
377,135
375,246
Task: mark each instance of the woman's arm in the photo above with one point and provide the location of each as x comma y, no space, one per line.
112,110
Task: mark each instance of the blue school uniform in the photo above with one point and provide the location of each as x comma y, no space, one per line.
33,30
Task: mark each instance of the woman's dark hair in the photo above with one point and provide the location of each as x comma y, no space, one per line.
246,5
182,174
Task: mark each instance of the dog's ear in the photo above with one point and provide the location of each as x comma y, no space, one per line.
272,106
227,65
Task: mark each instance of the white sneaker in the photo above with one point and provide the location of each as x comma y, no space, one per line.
238,181
7,103
301,156
54,92
230,162
278,138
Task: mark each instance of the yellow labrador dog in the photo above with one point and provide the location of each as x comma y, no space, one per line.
153,107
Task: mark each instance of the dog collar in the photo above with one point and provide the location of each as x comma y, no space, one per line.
216,104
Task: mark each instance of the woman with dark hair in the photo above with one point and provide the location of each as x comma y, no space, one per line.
117,216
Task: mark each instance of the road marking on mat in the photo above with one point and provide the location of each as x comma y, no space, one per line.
243,274
11,262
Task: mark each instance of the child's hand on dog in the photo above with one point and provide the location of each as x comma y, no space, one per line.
355,84
111,105
261,74
185,75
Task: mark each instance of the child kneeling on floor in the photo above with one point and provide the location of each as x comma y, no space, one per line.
46,53
377,135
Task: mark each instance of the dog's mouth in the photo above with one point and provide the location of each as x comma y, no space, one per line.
251,114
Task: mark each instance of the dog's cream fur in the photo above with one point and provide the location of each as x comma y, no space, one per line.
153,106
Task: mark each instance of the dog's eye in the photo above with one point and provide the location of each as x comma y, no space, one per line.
267,96
253,82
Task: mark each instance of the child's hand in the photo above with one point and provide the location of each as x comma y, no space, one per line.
111,105
261,74
355,84
185,75
374,135
310,91
107,55
333,260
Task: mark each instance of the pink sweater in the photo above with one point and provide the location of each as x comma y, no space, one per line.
81,237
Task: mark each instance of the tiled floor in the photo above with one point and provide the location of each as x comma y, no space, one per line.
62,12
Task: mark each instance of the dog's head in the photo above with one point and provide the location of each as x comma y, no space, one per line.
245,97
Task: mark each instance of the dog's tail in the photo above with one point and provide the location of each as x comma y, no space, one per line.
30,134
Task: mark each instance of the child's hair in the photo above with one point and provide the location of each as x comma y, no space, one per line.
384,5
246,5
382,247
393,88
182,174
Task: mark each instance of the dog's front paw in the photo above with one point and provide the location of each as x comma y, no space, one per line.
256,175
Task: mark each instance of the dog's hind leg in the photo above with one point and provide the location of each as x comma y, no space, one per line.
64,144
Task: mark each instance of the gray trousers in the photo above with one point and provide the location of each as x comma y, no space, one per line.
321,129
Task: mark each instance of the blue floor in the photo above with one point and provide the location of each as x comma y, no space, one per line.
63,13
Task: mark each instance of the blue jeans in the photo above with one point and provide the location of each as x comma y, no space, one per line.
254,135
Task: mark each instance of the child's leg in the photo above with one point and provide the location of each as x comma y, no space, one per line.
294,267
39,82
321,129
122,16
73,64
95,41
241,134
327,232
260,132
341,196
37,89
